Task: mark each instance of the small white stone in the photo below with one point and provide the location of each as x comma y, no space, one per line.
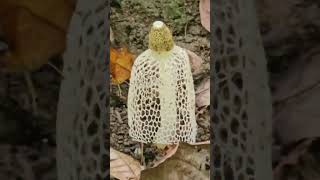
158,24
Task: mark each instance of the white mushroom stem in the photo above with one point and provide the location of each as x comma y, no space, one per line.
167,99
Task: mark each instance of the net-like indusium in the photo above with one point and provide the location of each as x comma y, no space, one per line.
82,147
161,100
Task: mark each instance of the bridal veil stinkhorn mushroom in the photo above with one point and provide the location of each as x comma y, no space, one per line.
161,99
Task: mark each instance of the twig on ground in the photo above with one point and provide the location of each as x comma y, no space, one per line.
32,91
185,29
296,94
120,92
56,69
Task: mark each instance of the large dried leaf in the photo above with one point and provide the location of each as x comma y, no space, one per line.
34,32
195,62
123,166
170,151
189,162
301,163
203,93
47,10
204,7
297,100
121,62
291,159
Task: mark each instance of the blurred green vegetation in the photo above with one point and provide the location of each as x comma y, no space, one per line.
173,12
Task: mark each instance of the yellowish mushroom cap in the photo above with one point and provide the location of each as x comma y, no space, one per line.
160,37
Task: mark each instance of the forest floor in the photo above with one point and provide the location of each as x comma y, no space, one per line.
131,22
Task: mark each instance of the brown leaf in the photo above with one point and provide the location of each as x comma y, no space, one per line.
297,98
203,93
47,10
171,150
123,166
189,162
121,62
204,7
296,158
34,32
195,62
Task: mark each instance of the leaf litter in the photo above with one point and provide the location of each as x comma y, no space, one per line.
296,99
121,61
123,166
189,162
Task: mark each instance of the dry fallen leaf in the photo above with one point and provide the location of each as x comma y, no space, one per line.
47,10
203,93
189,162
300,163
297,98
123,166
204,8
33,31
195,62
170,151
121,61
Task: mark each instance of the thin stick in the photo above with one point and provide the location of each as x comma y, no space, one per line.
186,25
185,29
299,93
120,93
56,69
126,83
32,92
